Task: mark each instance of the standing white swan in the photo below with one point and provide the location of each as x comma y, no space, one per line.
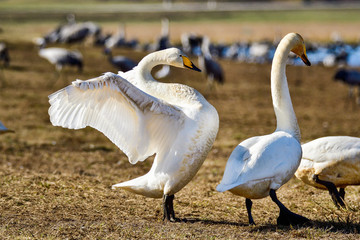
61,57
260,165
331,162
145,117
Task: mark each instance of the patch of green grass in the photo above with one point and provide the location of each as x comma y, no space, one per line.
297,16
38,10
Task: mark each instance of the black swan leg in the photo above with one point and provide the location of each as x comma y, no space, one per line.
342,193
335,195
248,203
286,217
168,207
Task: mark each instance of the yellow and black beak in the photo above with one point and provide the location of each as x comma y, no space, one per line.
189,64
300,51
305,59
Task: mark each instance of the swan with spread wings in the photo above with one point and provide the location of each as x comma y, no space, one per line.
144,117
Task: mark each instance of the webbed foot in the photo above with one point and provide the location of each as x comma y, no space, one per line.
286,217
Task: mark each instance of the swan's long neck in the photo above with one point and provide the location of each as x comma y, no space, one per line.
148,63
285,115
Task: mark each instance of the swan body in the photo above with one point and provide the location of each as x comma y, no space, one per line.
61,57
163,72
72,32
331,162
260,165
117,40
257,171
163,40
335,159
4,54
78,32
122,63
144,117
351,78
211,68
191,43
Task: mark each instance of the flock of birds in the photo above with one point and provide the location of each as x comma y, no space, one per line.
144,117
337,53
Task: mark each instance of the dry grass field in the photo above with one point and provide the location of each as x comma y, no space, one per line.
55,183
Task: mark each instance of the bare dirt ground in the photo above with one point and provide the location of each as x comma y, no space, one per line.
55,183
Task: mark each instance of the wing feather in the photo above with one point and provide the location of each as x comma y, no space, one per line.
256,158
138,123
325,151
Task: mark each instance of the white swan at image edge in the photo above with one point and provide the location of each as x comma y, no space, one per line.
331,162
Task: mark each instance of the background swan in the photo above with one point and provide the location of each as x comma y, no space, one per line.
211,68
163,72
352,79
121,63
331,162
4,54
145,117
61,57
260,165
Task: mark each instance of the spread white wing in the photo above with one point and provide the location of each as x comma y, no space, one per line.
138,123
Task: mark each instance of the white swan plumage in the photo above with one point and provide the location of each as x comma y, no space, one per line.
260,165
144,117
61,57
331,162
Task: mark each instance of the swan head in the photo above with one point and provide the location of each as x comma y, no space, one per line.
299,48
177,58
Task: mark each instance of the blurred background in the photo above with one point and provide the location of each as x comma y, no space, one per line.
240,16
